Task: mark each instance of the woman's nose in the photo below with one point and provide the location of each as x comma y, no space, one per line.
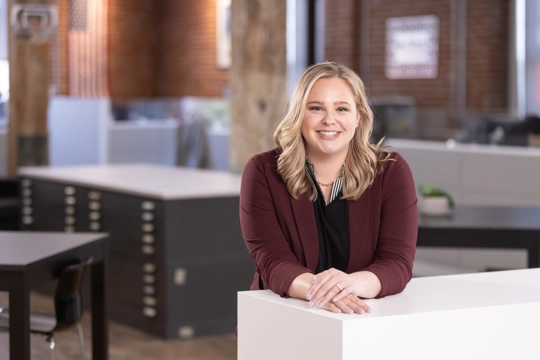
329,119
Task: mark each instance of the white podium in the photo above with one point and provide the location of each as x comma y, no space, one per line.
475,316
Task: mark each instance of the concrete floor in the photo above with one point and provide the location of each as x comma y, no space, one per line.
125,343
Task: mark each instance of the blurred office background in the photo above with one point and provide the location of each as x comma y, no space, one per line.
454,85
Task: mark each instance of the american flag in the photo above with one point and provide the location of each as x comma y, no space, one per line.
87,48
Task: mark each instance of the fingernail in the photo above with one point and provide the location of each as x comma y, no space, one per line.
369,310
349,311
308,296
320,304
338,310
360,311
310,304
335,299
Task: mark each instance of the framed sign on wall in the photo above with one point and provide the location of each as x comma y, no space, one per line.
412,47
223,33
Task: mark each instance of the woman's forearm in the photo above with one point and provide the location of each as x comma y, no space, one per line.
367,284
301,285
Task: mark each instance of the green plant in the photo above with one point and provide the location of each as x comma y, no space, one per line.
428,190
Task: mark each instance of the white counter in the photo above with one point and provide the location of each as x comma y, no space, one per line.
154,181
476,316
475,174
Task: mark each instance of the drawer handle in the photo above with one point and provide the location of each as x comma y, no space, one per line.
149,289
149,301
148,239
186,332
94,205
148,227
149,311
148,249
148,205
94,195
149,268
180,276
95,226
27,220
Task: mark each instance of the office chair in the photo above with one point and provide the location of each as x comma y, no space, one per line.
10,207
68,308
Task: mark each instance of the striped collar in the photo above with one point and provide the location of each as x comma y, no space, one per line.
336,187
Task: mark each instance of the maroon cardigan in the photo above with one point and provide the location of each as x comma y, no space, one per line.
281,233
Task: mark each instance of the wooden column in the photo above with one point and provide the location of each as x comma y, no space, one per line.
258,76
29,79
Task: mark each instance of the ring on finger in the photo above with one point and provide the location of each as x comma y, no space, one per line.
339,287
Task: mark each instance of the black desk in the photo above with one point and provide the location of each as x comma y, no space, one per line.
485,227
28,259
176,254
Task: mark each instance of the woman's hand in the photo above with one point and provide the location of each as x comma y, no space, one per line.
350,304
331,287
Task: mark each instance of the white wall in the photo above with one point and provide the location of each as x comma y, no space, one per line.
78,130
3,29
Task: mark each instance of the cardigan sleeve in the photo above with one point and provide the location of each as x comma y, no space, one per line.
275,261
398,230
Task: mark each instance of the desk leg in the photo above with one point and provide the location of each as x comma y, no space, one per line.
533,255
100,333
19,320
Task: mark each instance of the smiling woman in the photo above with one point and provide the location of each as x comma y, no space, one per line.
327,216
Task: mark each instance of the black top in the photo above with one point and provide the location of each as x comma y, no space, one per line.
332,226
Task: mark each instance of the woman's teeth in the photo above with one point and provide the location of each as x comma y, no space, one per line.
328,133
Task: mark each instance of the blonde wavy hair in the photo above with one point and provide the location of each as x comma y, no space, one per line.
364,160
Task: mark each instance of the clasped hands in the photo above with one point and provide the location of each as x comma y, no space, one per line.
336,291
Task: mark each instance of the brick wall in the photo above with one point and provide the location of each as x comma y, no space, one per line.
487,55
487,49
168,48
188,45
342,32
163,48
133,48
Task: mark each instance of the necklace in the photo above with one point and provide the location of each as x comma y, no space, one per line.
323,184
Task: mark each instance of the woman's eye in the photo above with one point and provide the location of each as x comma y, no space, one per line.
342,109
315,108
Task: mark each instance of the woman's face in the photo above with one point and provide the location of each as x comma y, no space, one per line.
330,119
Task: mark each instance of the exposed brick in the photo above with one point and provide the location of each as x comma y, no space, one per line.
487,48
163,48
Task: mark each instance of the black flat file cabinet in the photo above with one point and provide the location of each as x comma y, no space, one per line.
175,264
